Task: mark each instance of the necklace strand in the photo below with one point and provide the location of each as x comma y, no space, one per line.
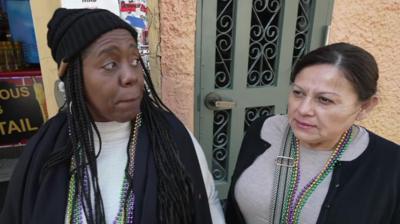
294,204
127,197
122,213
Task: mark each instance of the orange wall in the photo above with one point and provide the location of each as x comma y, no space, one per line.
178,27
375,26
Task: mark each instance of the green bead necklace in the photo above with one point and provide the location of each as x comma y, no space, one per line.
294,204
127,198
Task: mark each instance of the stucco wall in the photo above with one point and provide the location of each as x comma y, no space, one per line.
178,25
375,26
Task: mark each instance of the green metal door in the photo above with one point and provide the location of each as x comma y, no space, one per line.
245,51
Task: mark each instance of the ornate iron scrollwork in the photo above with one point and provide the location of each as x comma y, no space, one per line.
301,37
223,50
219,165
264,37
252,113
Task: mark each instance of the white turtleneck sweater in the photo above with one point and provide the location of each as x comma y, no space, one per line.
112,161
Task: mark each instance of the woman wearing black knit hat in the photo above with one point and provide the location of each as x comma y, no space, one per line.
114,153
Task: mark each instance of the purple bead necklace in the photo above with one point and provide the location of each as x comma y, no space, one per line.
126,209
294,204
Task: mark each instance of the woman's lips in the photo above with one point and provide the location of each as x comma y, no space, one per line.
303,125
127,102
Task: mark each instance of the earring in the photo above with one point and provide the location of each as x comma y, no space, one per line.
359,115
61,86
59,93
146,88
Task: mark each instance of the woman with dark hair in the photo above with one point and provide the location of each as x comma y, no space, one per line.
114,153
315,165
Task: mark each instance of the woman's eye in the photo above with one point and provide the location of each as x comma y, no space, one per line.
324,100
109,66
297,93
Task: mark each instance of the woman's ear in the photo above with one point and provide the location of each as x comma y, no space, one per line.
367,106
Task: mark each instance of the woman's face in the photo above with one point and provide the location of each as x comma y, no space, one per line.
322,105
113,77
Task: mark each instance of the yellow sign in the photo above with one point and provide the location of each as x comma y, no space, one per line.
22,109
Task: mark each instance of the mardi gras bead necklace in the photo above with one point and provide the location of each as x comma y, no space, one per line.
127,197
294,204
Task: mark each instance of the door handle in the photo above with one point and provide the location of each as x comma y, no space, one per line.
214,101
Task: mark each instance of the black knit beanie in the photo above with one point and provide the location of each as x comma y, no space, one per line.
70,31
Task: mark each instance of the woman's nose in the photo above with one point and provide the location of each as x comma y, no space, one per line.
129,75
306,107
